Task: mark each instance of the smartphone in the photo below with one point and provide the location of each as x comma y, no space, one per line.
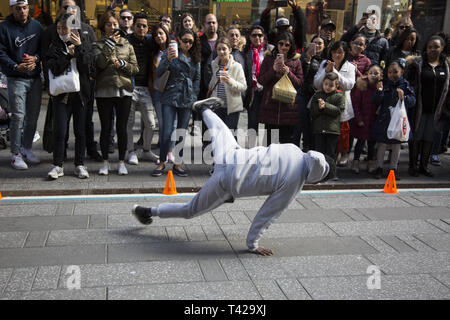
280,57
119,32
365,15
281,3
312,47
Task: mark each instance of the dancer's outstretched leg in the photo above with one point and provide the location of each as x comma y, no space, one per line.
211,196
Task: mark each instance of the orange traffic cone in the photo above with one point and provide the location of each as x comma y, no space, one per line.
170,188
390,186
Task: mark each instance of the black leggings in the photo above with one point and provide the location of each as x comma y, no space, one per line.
106,107
62,112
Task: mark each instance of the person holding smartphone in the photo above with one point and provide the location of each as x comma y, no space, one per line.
116,65
298,29
68,46
274,114
310,65
181,91
377,47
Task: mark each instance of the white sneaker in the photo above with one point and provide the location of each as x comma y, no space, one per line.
81,172
56,172
18,163
104,170
133,159
36,136
150,156
29,156
121,169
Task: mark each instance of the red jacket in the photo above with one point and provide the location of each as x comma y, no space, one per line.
364,109
363,64
272,111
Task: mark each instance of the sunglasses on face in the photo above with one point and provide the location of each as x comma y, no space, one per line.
126,17
281,44
187,41
403,27
259,35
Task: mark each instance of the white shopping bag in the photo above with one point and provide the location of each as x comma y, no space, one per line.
67,82
399,128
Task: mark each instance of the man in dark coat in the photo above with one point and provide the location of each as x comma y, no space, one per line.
283,25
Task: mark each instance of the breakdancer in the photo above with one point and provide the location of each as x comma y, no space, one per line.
279,171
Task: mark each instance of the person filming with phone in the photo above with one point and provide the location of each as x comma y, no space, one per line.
283,25
377,47
116,65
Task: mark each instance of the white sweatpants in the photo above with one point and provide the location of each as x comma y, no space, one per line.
214,193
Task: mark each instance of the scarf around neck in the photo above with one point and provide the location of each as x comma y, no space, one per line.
256,60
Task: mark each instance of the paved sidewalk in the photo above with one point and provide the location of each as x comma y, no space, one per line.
34,181
327,246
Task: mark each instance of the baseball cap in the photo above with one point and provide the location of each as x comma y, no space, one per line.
15,2
282,22
328,22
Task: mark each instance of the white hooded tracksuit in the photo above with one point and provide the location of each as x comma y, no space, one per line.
279,171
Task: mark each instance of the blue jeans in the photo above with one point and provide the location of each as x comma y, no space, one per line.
169,115
25,105
156,98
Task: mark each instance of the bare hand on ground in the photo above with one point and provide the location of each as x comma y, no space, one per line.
263,251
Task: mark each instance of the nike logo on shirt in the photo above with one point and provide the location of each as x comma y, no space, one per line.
20,43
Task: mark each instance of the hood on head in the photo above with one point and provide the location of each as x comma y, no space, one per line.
318,167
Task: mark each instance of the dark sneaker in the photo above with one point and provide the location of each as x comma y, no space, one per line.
426,172
94,155
141,213
180,172
231,200
158,173
413,172
378,173
210,103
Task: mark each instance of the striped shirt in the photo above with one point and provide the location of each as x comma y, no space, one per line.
221,87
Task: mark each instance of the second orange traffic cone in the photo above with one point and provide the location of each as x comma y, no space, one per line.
390,186
170,188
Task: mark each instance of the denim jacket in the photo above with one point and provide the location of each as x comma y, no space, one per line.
183,85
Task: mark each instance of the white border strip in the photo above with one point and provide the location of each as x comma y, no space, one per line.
190,195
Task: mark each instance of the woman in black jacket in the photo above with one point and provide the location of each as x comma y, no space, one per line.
310,64
66,46
406,46
430,77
